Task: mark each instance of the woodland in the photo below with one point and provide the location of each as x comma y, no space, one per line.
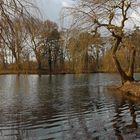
97,41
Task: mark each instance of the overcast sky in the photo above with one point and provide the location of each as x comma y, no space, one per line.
51,9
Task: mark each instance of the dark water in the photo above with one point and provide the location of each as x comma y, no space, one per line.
66,107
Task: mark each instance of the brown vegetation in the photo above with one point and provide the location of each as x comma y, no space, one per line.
131,89
31,45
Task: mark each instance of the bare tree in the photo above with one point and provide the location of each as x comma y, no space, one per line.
13,17
34,27
111,15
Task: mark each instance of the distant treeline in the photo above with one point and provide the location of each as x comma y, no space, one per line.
30,45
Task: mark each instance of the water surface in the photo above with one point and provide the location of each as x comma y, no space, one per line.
66,107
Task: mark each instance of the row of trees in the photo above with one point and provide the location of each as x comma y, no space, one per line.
28,43
112,16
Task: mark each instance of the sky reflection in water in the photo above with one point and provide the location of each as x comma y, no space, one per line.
66,107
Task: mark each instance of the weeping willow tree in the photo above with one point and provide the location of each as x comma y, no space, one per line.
13,15
112,16
81,47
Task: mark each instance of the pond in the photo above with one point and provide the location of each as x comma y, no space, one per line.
66,107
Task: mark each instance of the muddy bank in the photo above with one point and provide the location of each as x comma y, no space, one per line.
129,88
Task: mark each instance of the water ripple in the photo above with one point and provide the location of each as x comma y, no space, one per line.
66,107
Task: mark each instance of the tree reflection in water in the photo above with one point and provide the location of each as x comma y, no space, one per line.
65,107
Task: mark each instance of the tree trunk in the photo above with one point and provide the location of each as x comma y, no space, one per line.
124,77
97,58
132,64
50,60
39,64
86,62
18,68
38,59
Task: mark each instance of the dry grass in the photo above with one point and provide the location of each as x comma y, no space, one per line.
131,88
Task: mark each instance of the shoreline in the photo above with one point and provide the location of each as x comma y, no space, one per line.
44,72
129,89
